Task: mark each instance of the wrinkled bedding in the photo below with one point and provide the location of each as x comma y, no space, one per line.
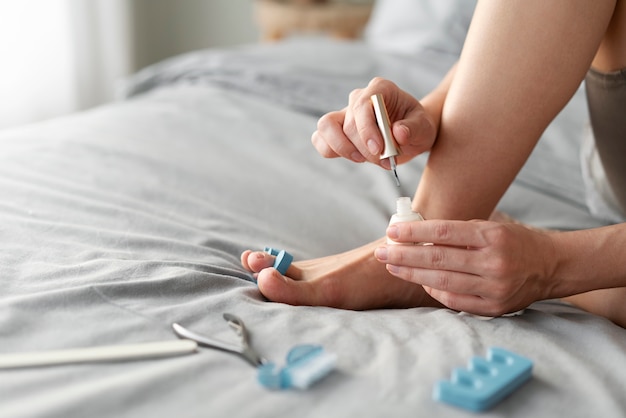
118,221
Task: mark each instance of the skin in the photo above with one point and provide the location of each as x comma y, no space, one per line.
521,63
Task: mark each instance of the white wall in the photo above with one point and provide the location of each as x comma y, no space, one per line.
163,28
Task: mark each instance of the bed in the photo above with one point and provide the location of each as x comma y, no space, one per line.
118,221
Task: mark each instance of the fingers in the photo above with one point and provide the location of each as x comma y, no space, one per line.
458,290
338,134
353,133
477,266
467,258
467,303
415,133
433,257
361,127
445,268
473,234
330,141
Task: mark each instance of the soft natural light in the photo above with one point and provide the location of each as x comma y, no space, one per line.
36,72
60,56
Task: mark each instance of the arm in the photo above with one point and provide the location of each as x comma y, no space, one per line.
589,259
521,63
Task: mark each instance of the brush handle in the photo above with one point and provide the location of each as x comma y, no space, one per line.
384,124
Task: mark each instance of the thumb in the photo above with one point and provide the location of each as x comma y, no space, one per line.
415,133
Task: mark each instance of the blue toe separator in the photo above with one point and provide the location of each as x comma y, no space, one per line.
283,259
306,365
484,382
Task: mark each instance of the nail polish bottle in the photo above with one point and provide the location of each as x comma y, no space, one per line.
404,213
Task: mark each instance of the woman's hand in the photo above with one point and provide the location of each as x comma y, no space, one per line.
352,132
481,267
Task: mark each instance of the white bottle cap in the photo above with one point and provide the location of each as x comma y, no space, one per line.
403,206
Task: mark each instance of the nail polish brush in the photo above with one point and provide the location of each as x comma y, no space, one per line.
382,119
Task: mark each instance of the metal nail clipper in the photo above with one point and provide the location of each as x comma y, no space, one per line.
244,349
306,364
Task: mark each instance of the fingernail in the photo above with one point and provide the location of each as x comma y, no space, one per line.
392,232
393,269
381,253
373,147
357,157
405,130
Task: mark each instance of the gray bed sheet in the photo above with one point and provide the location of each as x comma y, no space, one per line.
118,221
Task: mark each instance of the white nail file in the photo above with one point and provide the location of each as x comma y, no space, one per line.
98,354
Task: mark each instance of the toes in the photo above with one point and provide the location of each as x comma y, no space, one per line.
255,261
279,288
244,259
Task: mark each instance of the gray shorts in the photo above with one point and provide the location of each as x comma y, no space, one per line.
603,154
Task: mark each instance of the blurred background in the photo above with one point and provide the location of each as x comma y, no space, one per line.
59,56
62,56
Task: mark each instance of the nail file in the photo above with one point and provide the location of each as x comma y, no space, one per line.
98,354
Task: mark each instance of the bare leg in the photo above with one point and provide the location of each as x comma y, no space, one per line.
516,72
522,62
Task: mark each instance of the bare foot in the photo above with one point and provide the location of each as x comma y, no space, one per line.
351,280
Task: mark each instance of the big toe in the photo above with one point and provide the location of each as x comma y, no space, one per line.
279,288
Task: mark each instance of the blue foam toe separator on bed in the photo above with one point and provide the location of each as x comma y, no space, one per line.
283,259
484,382
306,365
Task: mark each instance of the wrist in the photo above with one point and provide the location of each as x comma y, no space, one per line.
588,260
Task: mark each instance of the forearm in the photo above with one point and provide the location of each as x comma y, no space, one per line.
521,63
588,260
